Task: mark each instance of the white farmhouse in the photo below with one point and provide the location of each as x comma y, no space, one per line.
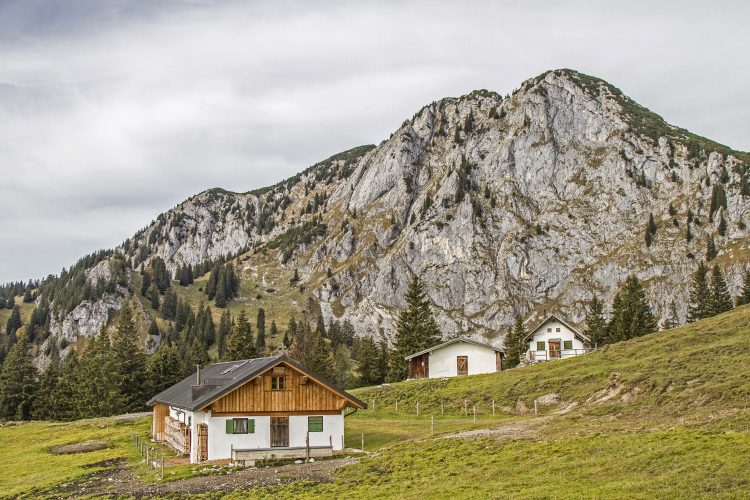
460,356
252,409
555,339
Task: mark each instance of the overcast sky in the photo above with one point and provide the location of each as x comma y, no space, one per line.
114,111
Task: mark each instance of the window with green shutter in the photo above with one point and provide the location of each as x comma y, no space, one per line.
567,344
540,346
314,424
240,426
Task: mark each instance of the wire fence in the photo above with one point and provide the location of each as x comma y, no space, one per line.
465,407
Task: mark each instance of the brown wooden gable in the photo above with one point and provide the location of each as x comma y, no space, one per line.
302,394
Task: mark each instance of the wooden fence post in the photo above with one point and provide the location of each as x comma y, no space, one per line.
417,408
493,407
432,424
162,466
397,406
307,446
536,412
465,409
442,411
474,408
362,442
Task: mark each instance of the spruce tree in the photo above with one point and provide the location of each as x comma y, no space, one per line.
368,366
342,367
596,325
225,329
303,343
291,329
672,320
221,289
650,230
631,313
744,297
198,354
274,331
164,368
710,249
129,360
260,339
721,300
64,394
10,302
513,346
169,305
699,305
320,360
241,344
153,329
44,401
18,383
14,322
416,329
155,299
98,384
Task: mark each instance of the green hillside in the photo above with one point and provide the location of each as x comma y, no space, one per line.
666,415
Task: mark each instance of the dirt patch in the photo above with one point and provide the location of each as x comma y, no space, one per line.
122,481
511,431
84,447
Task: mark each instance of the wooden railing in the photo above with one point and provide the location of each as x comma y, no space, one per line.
562,354
177,435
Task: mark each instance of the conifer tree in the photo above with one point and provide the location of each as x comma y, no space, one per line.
721,300
650,230
155,299
291,329
710,249
368,366
416,329
241,344
12,325
672,320
164,368
260,339
129,360
274,331
744,297
513,345
27,296
98,385
198,354
18,383
596,325
64,393
631,312
303,343
342,367
699,305
44,401
169,305
225,329
221,289
320,360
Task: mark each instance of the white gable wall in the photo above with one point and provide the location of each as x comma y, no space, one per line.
220,443
549,331
443,361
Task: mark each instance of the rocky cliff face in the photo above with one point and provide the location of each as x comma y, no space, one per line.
503,206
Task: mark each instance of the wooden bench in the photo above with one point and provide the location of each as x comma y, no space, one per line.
249,456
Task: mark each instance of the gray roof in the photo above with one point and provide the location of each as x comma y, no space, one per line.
218,379
453,341
568,325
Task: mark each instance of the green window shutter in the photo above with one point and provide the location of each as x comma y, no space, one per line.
230,426
250,425
568,344
314,424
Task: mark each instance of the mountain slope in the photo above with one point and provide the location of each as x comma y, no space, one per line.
503,205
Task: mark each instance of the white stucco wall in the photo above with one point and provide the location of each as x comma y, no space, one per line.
443,361
551,331
220,443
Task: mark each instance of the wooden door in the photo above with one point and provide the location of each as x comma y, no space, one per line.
462,365
420,366
279,432
554,349
202,442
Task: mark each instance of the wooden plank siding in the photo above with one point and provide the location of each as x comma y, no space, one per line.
301,395
157,425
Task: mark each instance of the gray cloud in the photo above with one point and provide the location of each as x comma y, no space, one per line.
113,111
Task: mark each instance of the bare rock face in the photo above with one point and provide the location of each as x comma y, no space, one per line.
504,206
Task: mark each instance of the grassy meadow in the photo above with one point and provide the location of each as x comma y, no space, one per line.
666,415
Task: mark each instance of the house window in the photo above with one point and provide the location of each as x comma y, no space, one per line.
567,344
278,383
240,426
549,329
557,329
540,345
314,424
